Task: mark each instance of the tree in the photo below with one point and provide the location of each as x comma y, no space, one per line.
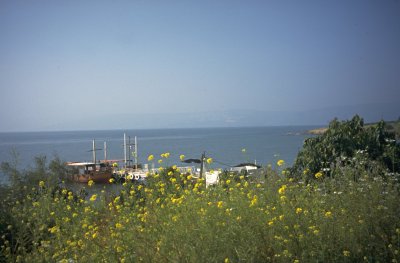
342,141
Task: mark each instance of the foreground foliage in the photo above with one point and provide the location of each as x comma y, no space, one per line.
351,214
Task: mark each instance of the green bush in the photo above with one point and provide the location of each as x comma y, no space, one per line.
342,142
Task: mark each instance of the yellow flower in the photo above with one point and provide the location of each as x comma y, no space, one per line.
280,162
219,204
150,158
90,183
182,157
93,198
118,225
41,184
209,160
226,260
346,253
318,175
160,161
298,210
328,214
282,189
54,229
111,180
243,150
165,155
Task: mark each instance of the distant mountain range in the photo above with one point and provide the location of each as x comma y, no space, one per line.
235,118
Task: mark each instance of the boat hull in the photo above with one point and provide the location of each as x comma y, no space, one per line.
98,177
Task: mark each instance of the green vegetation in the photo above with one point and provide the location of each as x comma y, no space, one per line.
344,141
304,213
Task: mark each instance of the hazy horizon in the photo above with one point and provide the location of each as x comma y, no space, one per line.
72,65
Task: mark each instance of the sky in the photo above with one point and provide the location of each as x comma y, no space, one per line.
67,65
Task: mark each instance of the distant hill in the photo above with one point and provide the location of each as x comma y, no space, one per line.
228,118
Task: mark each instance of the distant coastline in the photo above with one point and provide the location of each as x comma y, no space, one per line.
318,131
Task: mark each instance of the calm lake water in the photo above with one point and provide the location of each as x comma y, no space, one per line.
263,144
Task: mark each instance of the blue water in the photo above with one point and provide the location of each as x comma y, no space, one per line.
263,144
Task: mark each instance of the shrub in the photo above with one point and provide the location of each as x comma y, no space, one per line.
342,142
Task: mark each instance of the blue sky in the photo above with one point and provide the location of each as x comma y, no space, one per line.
64,64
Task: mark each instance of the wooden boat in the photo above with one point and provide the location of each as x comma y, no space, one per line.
97,172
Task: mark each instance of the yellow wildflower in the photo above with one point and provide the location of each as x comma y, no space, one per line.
209,160
41,184
150,158
165,155
328,214
219,204
243,150
282,189
93,198
182,157
90,183
346,253
111,180
280,162
118,225
54,229
318,175
298,210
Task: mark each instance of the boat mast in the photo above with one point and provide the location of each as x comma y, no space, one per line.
105,151
94,151
136,155
125,148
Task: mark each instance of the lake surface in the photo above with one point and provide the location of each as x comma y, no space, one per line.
263,144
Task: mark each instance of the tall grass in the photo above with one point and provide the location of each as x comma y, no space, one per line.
175,218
